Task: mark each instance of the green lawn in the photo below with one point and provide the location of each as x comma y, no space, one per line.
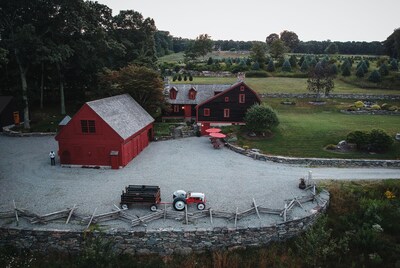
305,130
286,85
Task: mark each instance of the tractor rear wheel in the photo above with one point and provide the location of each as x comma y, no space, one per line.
179,203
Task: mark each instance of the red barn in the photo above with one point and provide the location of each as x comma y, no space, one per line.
106,132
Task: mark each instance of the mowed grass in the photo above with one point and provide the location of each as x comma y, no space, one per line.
305,130
286,85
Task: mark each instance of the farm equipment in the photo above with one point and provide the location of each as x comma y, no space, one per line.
181,198
141,194
146,194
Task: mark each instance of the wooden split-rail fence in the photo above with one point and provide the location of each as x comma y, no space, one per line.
165,213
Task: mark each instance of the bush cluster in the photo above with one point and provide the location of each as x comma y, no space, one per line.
376,140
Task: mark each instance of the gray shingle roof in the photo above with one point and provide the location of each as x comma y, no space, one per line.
122,113
65,121
204,92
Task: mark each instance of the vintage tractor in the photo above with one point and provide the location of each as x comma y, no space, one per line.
181,198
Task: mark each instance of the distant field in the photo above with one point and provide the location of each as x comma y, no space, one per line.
286,85
178,57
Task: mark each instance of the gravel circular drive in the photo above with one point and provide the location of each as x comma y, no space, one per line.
228,179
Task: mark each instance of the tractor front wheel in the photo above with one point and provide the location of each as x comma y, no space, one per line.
179,203
201,206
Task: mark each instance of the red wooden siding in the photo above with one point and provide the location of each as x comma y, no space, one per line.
94,148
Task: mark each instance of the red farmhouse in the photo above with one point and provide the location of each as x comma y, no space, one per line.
105,132
227,107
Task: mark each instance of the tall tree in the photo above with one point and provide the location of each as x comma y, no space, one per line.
258,53
20,26
332,48
320,80
392,44
137,36
271,38
277,49
143,84
290,39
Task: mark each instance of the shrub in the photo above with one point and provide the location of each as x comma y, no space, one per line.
375,107
331,147
359,104
385,106
380,141
393,108
260,118
257,74
360,138
179,77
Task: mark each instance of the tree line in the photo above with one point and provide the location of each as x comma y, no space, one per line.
53,50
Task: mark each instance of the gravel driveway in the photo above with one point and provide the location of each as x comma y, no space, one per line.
228,179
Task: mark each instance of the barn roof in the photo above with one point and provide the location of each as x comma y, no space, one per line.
122,113
204,92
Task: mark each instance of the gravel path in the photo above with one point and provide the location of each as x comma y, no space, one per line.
229,179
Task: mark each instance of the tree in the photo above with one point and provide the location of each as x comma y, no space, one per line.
260,118
271,38
332,48
394,66
199,47
21,30
271,66
375,77
384,70
320,80
363,65
290,39
293,61
255,66
346,69
143,84
277,49
286,67
258,53
392,44
210,61
360,72
304,66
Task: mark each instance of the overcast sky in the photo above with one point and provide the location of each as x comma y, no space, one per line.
249,20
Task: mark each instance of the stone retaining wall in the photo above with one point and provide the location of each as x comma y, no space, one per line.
7,131
331,96
329,162
161,242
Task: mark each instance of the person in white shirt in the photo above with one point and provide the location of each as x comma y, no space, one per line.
52,158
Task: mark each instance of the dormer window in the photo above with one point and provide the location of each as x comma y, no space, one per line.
192,94
172,93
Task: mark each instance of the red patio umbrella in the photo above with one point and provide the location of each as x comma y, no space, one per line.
213,130
217,135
